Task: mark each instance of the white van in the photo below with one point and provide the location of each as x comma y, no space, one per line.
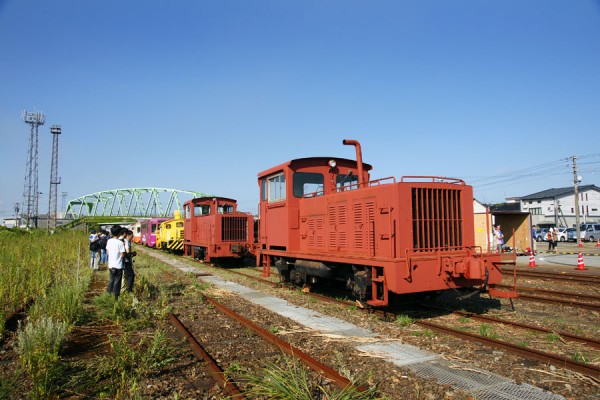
590,232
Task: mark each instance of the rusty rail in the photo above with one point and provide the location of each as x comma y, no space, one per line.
332,375
564,277
559,361
554,292
576,338
213,368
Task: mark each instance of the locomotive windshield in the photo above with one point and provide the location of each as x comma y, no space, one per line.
225,209
201,209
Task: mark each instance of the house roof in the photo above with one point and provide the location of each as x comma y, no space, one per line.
506,208
559,192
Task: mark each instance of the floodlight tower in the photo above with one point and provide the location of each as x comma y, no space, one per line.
30,192
54,179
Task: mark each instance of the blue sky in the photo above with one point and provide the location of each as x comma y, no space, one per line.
203,95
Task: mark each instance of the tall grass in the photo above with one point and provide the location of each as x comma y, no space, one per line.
38,346
33,262
42,270
291,381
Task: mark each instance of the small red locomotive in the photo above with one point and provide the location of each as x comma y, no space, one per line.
324,218
214,229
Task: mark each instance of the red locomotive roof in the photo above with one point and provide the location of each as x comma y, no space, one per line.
310,161
211,198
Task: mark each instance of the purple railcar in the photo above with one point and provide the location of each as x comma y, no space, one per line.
148,231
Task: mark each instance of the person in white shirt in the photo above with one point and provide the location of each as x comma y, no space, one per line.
115,249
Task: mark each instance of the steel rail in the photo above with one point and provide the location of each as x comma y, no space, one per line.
555,275
558,361
576,338
213,368
330,374
554,292
567,302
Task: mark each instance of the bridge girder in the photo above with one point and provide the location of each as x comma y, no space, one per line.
129,202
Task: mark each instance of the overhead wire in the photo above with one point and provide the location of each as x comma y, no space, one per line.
558,167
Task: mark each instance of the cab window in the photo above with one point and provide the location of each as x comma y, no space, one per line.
225,209
201,209
308,184
276,188
346,182
187,212
263,190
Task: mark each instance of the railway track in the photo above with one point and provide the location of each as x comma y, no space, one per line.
226,382
558,297
553,359
214,370
529,374
562,277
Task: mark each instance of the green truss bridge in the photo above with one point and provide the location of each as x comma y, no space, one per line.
135,202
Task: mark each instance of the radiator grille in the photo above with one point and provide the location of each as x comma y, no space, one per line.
234,229
436,219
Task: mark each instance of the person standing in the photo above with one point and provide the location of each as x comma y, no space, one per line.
115,250
103,241
128,273
550,239
94,249
499,239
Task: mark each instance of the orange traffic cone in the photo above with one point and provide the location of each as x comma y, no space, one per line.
531,259
580,244
598,244
580,264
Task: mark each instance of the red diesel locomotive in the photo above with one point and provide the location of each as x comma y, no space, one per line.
214,229
324,218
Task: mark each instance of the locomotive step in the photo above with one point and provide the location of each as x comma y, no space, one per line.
506,294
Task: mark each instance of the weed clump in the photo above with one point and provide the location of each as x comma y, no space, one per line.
38,347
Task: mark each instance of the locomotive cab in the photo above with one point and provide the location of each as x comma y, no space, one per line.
323,218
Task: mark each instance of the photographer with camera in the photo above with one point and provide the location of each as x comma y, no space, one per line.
128,275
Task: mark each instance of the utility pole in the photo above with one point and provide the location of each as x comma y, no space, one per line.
576,181
17,218
54,179
63,202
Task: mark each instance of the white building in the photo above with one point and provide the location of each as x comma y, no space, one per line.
556,207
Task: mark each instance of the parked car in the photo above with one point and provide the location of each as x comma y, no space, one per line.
572,234
590,232
541,234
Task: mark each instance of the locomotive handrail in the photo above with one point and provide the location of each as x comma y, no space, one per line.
434,179
380,181
376,182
